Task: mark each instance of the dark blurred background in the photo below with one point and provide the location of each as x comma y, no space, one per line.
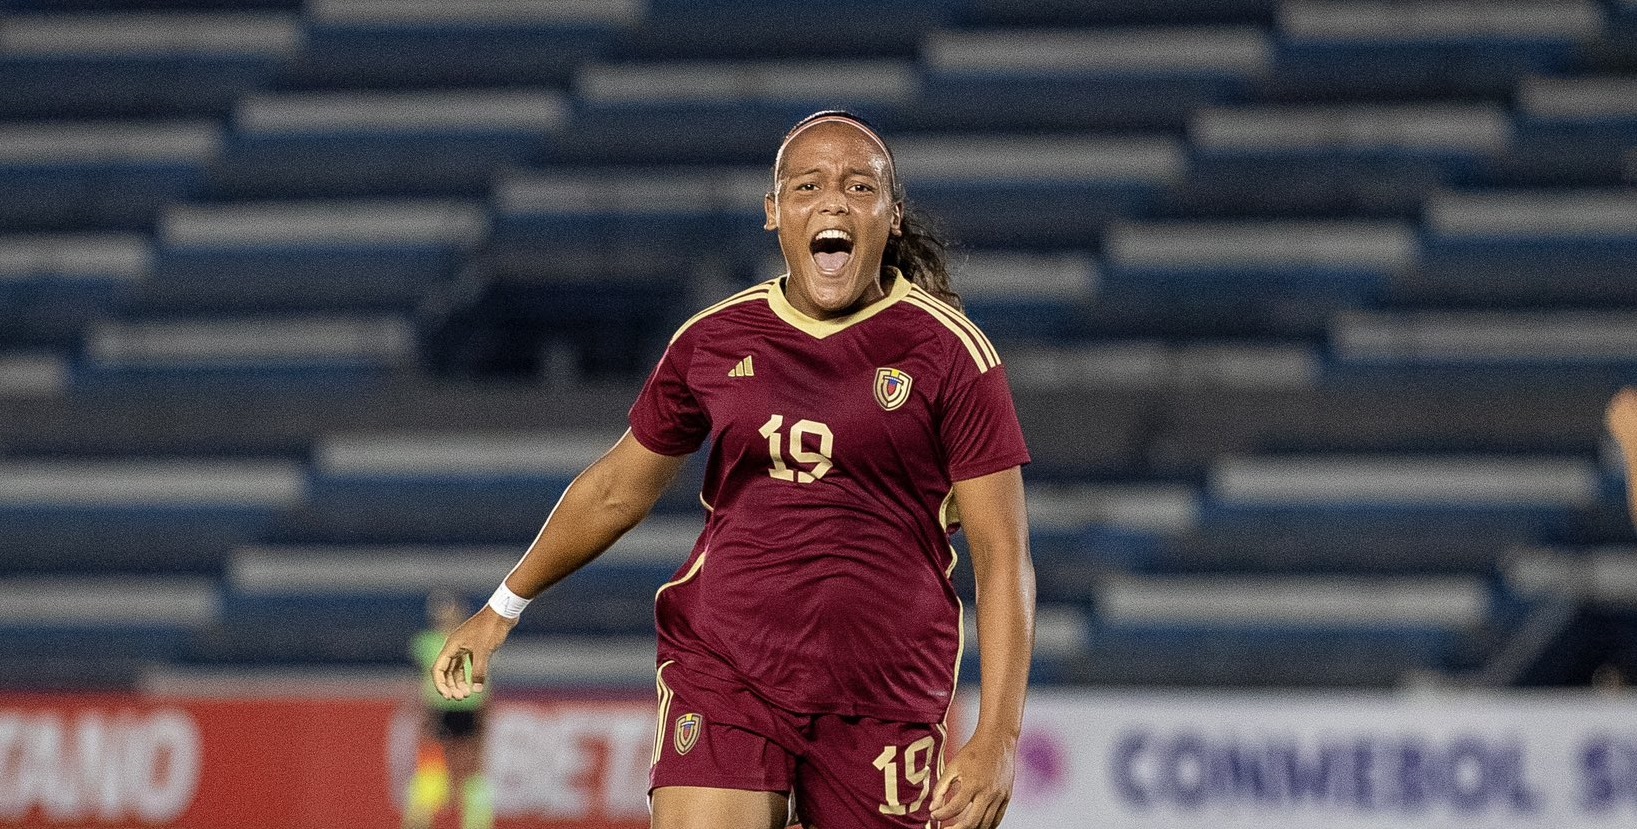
1310,309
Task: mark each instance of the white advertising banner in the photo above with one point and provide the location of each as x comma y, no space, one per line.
1245,761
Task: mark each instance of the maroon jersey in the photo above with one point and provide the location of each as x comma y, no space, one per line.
821,579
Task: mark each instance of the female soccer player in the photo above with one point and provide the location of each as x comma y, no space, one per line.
809,645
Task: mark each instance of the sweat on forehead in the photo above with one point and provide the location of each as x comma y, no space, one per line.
778,161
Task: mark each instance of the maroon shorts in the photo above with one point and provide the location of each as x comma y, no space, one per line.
843,772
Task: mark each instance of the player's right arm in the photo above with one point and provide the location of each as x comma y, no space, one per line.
1621,420
610,497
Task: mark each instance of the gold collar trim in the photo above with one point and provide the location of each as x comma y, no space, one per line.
819,329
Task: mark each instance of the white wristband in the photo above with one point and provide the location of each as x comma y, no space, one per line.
506,603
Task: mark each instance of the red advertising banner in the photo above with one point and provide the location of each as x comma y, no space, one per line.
77,762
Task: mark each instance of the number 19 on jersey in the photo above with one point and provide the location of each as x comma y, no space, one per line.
818,462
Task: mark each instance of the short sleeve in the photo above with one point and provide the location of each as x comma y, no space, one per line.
667,418
980,430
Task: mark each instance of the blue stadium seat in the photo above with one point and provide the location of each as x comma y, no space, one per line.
147,64
1590,348
738,30
1536,497
693,134
53,286
177,515
1403,411
1115,12
1258,278
1010,80
1562,248
410,45
447,488
84,6
1257,659
95,87
1226,186
696,112
1423,621
1448,138
1039,296
378,594
100,175
1029,192
91,197
311,256
225,351
127,540
1443,545
33,374
1310,310
1373,51
681,217
78,659
99,632
383,144
1052,104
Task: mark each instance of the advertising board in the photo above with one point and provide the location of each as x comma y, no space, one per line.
112,761
1342,761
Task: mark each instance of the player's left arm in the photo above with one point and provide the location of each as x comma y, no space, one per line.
977,785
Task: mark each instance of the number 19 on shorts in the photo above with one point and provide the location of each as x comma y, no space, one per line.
916,770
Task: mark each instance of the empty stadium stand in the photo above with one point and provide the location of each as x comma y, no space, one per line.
309,309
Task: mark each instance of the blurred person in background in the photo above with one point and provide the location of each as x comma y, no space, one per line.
1621,420
809,645
449,756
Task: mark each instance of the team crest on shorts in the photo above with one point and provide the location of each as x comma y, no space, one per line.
687,732
892,387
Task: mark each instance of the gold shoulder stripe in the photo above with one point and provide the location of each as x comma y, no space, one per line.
974,346
750,294
978,356
954,314
955,317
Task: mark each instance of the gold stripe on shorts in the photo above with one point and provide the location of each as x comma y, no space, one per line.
664,714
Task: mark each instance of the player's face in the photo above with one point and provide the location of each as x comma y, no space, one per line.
832,206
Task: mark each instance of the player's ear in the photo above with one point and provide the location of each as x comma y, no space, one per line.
771,208
897,228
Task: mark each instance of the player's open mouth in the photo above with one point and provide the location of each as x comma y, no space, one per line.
832,250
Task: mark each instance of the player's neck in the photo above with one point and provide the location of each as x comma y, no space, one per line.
878,289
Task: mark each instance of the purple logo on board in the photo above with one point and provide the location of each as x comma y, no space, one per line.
1042,766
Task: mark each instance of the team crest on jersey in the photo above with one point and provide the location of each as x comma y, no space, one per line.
892,387
687,732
